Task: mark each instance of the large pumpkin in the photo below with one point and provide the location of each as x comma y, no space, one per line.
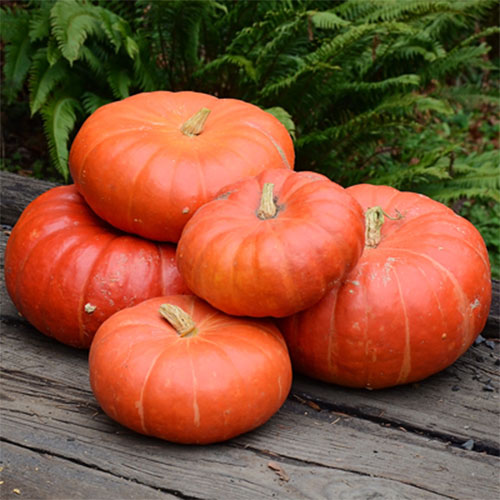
67,271
416,300
271,245
146,163
175,368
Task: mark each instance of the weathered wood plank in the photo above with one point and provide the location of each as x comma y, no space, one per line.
16,192
47,400
458,404
59,416
33,474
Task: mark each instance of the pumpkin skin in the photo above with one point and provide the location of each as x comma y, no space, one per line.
228,378
67,271
141,173
247,266
412,305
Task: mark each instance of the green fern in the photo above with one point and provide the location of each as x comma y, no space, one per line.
44,78
59,118
91,102
18,50
475,176
72,22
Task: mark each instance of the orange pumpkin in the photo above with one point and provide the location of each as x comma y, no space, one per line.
416,300
67,271
271,245
175,368
146,163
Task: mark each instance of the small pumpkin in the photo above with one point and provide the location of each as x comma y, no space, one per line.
271,245
67,271
415,302
146,163
177,369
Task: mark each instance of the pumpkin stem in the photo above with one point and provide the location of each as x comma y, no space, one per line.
374,220
194,125
267,208
179,319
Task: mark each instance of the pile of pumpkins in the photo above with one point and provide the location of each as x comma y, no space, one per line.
199,267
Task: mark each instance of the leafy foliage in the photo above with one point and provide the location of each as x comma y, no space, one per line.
366,88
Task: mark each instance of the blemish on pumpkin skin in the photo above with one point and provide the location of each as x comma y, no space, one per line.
475,304
89,308
185,210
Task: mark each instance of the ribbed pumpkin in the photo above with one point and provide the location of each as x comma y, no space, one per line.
416,300
175,368
67,271
146,163
271,245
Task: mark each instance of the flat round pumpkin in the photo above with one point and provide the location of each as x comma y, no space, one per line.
176,368
271,245
415,302
146,163
67,271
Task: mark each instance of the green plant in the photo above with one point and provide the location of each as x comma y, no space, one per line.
341,74
356,82
76,57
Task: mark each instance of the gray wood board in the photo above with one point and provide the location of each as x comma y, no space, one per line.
16,192
48,408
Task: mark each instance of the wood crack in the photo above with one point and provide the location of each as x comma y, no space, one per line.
319,404
175,493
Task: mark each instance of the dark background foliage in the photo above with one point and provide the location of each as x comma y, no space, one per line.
399,92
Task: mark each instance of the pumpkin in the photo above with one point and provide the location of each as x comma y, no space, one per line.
271,245
146,163
67,271
177,369
416,300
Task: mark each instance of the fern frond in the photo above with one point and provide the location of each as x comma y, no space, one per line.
18,51
474,176
391,10
53,52
16,67
388,84
284,117
40,22
44,79
119,81
327,20
236,60
72,22
92,102
492,30
59,118
145,71
458,58
117,30
95,63
354,10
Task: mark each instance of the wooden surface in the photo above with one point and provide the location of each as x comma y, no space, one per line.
325,442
